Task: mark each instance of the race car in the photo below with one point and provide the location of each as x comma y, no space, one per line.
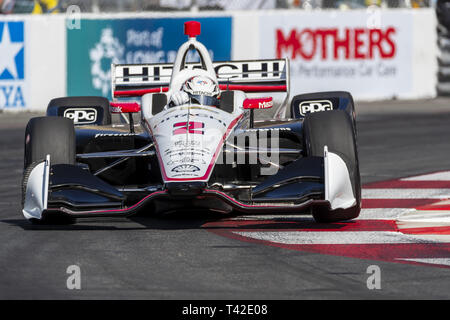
196,155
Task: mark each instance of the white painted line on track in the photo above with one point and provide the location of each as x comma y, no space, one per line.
437,217
438,176
337,237
442,261
405,193
414,230
382,213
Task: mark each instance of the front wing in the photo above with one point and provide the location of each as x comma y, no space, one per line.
74,191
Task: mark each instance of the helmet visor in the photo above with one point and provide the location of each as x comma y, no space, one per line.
205,100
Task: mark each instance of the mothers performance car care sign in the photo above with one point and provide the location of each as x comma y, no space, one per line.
100,42
12,66
366,53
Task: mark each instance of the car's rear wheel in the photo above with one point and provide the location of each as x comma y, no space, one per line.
54,136
335,130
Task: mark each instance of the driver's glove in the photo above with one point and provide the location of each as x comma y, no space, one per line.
180,97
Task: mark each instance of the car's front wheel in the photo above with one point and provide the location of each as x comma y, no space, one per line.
54,136
335,130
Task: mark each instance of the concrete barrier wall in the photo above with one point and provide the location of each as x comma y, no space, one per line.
375,55
33,61
425,66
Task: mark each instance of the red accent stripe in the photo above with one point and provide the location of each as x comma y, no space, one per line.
386,252
443,207
395,203
123,209
258,103
242,204
245,88
139,92
427,230
124,107
399,184
257,88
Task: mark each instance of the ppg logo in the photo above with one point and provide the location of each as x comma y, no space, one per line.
81,115
315,106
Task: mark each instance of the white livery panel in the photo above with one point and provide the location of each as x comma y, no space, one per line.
189,139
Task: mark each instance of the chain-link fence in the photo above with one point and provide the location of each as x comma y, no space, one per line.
48,6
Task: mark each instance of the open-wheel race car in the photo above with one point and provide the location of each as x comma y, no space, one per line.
196,146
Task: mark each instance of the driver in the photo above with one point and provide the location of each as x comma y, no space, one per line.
199,90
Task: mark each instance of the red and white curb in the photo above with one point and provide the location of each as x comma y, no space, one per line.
405,221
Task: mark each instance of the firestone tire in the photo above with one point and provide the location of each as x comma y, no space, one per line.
54,136
335,130
50,135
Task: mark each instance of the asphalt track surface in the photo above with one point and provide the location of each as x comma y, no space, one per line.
181,257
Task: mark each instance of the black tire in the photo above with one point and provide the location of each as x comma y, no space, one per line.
335,130
74,102
48,135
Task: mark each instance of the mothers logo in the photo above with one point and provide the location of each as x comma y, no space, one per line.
334,43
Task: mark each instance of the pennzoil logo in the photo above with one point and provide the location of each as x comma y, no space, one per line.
315,106
81,115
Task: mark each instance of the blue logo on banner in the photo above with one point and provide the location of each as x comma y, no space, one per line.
12,66
100,42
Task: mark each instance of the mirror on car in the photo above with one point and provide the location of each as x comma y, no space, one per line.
258,103
124,107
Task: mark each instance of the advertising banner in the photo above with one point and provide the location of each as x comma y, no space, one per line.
369,53
13,77
99,42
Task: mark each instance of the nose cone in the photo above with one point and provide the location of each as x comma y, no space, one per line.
185,189
189,141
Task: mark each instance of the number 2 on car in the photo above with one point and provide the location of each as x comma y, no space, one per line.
184,128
